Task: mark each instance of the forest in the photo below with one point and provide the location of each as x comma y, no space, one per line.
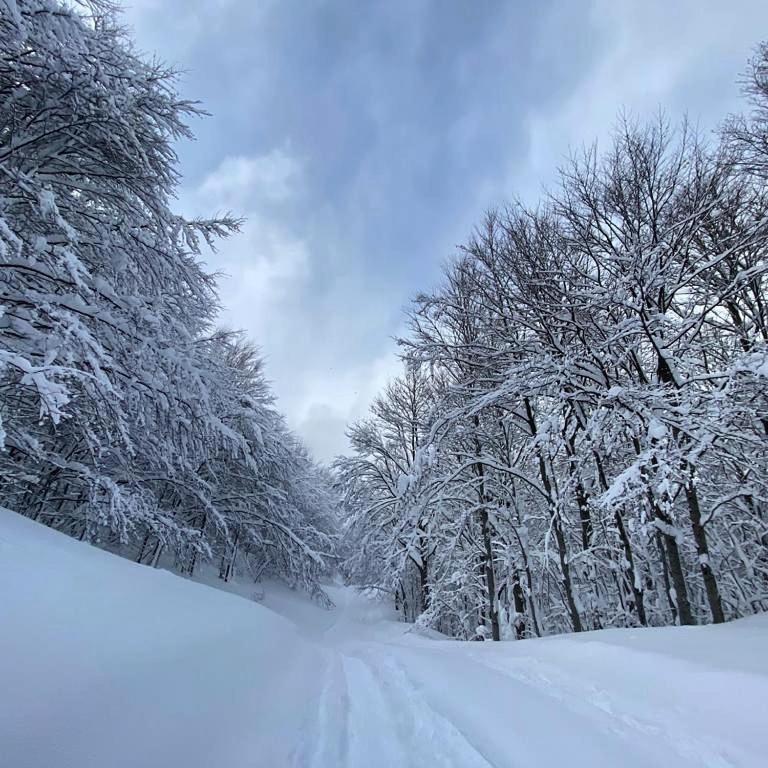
129,418
579,435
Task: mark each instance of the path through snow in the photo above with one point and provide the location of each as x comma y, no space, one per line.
106,663
393,698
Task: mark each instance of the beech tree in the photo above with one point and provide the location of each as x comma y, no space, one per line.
127,419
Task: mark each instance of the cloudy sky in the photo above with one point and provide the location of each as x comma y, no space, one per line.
362,140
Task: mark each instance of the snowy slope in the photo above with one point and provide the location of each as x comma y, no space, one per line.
105,663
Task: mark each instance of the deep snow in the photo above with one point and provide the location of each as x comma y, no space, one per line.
104,663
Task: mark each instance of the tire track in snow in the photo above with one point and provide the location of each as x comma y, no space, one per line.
431,738
373,741
325,743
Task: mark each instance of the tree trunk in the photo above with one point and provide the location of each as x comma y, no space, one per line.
156,555
582,498
566,571
632,575
684,612
231,565
485,529
490,576
665,576
424,586
559,536
518,600
626,545
702,550
674,561
143,547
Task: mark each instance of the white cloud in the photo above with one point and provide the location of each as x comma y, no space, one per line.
263,265
240,182
335,399
266,263
190,21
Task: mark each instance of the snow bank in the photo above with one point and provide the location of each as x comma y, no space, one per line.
106,663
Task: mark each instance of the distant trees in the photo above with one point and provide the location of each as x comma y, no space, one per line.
394,532
593,409
127,419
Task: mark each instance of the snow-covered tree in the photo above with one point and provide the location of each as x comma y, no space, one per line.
125,418
597,449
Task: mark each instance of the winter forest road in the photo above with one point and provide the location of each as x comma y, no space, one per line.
108,664
389,697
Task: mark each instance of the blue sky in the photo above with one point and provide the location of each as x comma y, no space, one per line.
363,140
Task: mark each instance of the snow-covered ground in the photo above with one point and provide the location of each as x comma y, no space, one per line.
105,664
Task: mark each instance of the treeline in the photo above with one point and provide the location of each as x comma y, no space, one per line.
127,418
579,438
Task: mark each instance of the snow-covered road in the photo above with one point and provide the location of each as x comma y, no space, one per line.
390,697
106,663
